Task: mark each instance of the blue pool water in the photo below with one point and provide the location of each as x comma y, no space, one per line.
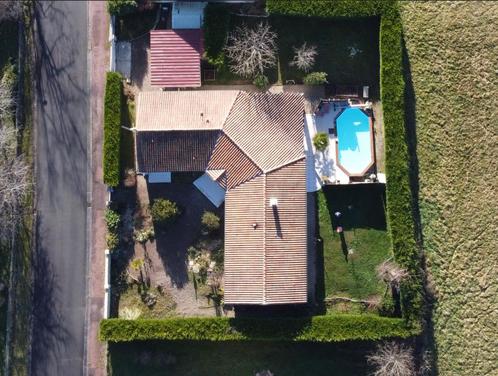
354,141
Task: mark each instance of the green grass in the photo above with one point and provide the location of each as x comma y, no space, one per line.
363,220
451,49
236,358
334,39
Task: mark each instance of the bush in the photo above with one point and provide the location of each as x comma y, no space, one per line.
321,141
112,241
329,328
112,220
112,128
210,221
121,7
164,211
315,78
261,81
216,26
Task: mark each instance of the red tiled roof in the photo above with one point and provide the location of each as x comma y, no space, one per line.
175,58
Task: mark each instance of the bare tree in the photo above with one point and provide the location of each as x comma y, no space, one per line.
392,274
251,51
10,9
14,182
392,359
304,57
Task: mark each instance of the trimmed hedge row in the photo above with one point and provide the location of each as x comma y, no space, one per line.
323,8
329,328
112,128
216,26
398,189
392,86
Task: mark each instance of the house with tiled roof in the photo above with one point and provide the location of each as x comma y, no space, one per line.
250,148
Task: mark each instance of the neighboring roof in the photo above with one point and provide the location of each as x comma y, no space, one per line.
183,110
267,264
174,151
268,127
175,58
238,167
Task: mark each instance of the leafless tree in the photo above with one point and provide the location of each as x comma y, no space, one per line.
14,181
10,10
304,57
391,273
251,50
392,359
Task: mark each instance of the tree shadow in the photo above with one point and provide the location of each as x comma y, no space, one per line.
427,340
51,336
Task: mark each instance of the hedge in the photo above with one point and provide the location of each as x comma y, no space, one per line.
216,26
121,7
329,328
392,86
331,8
112,128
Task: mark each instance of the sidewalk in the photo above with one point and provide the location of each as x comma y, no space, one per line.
98,58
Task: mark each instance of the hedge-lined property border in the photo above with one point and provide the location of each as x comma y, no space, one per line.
392,87
112,128
328,328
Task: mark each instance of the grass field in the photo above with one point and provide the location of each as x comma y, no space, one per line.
365,237
237,358
452,54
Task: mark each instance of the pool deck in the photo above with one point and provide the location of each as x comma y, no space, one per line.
323,165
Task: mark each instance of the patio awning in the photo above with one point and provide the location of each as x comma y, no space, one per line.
175,58
211,189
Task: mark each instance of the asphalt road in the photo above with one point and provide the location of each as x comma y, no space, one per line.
62,125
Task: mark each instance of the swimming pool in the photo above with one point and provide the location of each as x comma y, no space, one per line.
355,153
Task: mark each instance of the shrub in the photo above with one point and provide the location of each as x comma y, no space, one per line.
315,78
112,128
210,221
121,7
329,328
112,241
143,235
261,81
164,211
216,26
392,359
304,57
321,141
112,220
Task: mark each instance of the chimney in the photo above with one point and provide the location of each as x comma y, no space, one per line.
273,202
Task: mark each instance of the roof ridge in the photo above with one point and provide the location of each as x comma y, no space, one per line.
283,165
264,238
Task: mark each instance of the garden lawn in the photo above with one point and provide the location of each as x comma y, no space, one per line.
365,235
236,358
452,53
348,50
335,40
